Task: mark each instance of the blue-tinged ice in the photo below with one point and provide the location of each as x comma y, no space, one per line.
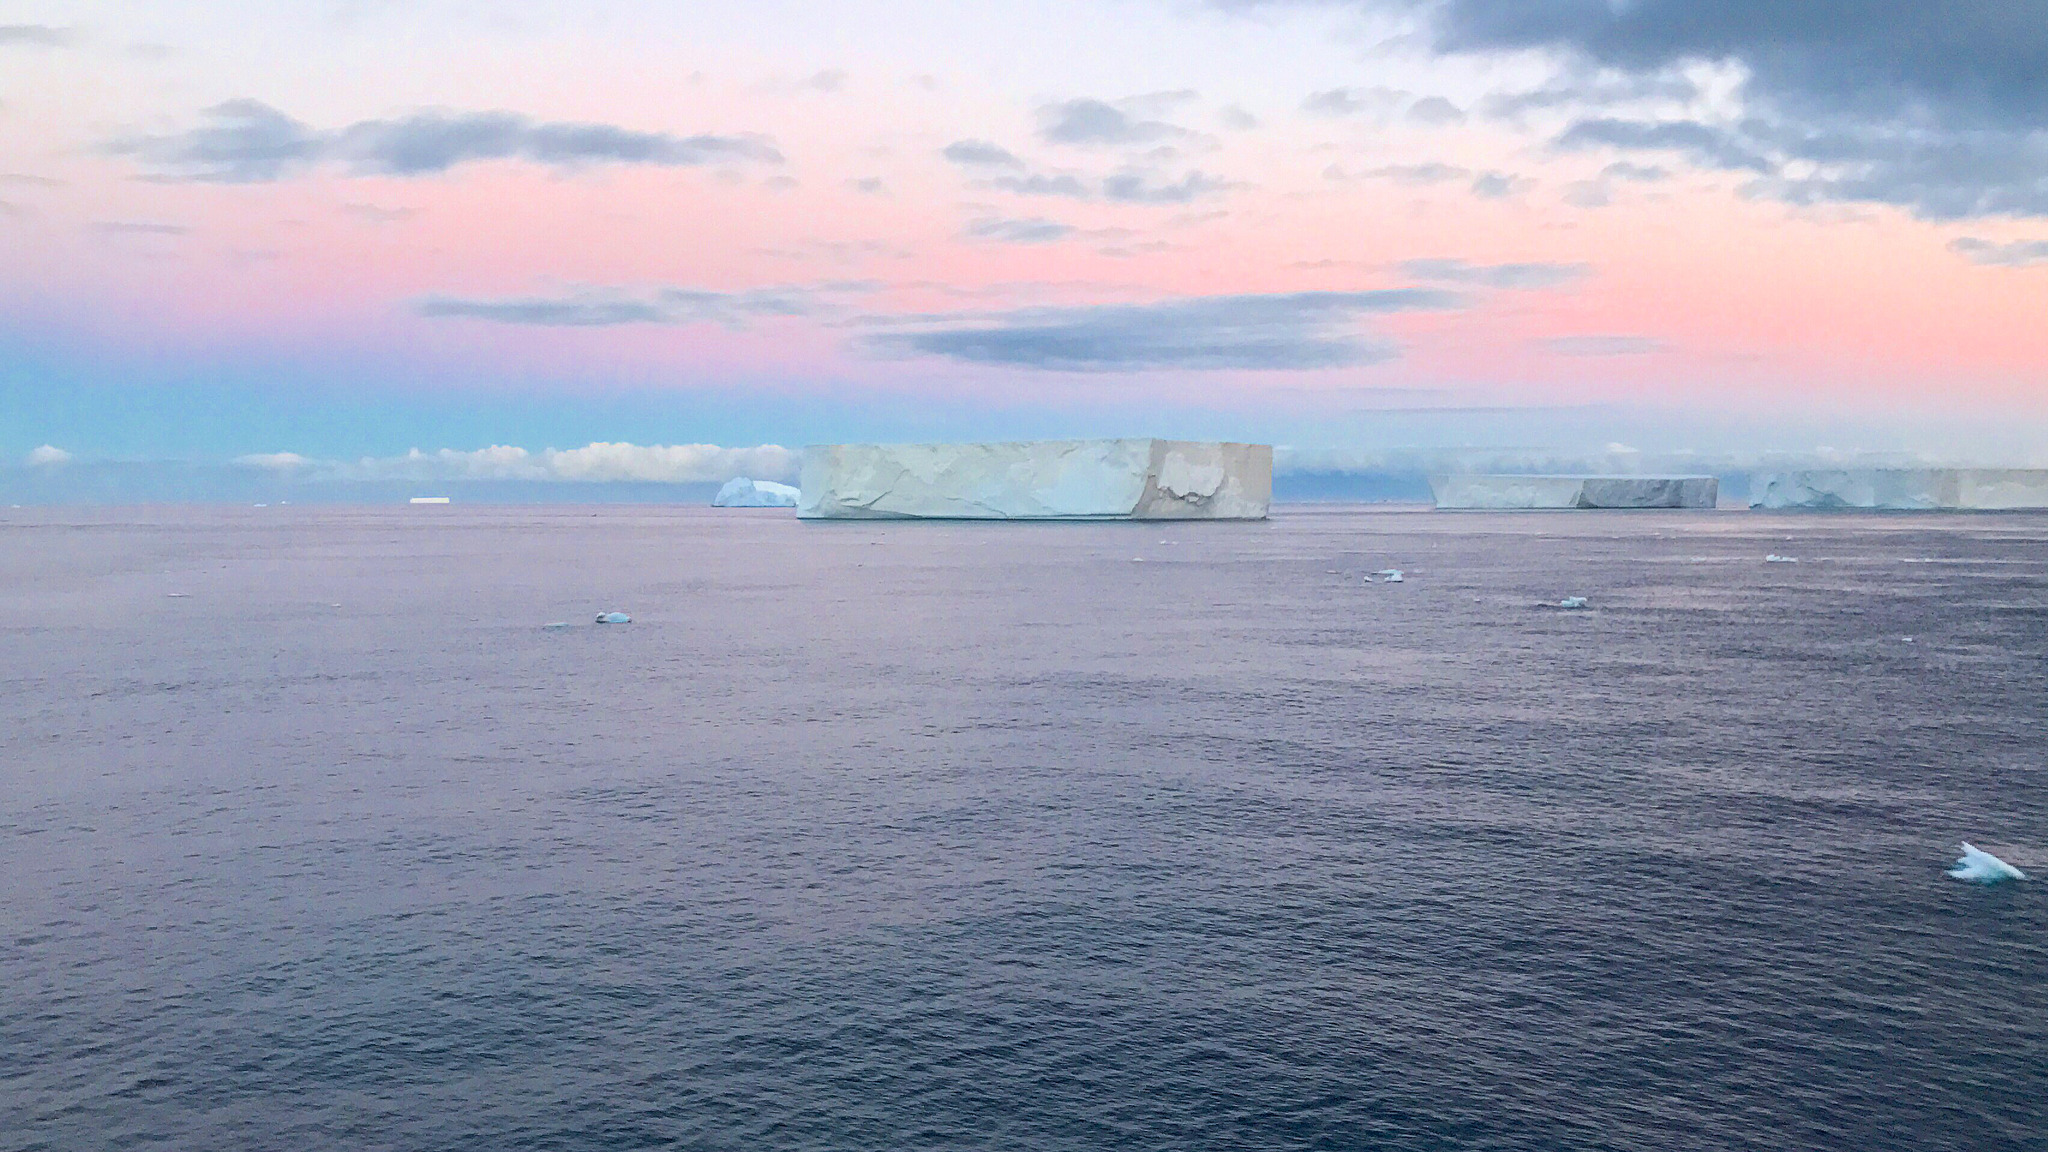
1980,867
613,618
1390,575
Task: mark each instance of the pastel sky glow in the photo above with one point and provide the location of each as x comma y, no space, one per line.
347,229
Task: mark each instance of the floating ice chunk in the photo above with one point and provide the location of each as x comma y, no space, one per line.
741,492
613,618
554,625
176,595
1572,602
429,500
1980,867
1390,575
1774,558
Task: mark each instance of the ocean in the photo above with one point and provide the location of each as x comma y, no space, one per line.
1019,836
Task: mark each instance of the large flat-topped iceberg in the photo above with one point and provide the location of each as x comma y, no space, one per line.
1903,489
1038,480
1516,493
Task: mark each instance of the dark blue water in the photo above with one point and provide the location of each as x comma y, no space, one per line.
918,836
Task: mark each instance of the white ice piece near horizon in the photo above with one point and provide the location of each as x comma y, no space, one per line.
1132,479
1980,867
429,500
1390,575
1903,489
741,492
613,618
1572,602
1774,558
1475,492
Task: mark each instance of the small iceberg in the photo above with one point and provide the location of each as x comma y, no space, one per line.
1572,602
613,618
1980,867
554,625
741,492
1390,575
429,500
1774,558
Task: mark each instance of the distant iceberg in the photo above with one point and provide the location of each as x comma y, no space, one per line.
740,492
1980,867
613,618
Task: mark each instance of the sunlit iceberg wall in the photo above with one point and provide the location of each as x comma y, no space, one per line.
1038,480
1903,489
1518,493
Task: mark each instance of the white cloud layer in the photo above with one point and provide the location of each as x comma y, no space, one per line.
48,454
600,461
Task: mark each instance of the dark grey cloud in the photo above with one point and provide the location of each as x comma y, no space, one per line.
1603,345
246,141
1095,122
1935,106
1997,254
1285,331
37,35
605,307
1032,231
980,154
1524,276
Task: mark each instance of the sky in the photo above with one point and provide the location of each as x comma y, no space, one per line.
643,241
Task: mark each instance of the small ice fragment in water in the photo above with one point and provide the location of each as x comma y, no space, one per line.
176,595
613,618
1980,867
553,625
1572,602
1391,575
1774,558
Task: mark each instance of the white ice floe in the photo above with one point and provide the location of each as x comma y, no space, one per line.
1980,867
1390,575
1774,558
555,625
1572,602
741,492
613,618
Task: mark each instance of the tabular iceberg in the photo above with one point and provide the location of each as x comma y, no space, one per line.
1136,479
740,492
1903,489
1516,493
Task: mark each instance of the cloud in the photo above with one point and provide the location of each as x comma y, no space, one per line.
48,455
372,214
1934,106
1129,186
1431,173
1299,330
1603,345
607,307
1352,101
274,461
1236,119
37,35
2011,254
1435,112
980,154
1032,231
1089,122
596,462
1496,185
1525,276
245,141
139,228
868,186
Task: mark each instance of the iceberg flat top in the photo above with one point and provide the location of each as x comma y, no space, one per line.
1038,480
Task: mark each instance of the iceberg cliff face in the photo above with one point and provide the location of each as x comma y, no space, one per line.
1515,493
1038,480
740,492
1903,489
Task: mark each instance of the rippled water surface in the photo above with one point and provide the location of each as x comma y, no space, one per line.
908,836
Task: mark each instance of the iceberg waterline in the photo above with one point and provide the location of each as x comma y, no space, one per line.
1977,866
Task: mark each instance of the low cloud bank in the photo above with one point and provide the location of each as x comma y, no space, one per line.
595,462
